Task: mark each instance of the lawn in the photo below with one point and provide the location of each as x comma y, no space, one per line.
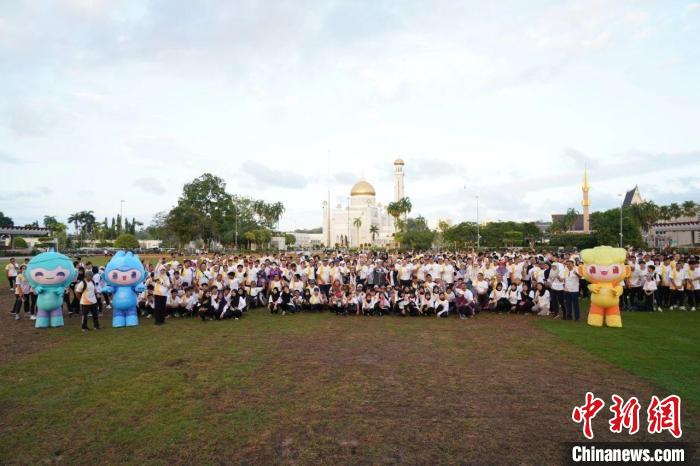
320,389
661,347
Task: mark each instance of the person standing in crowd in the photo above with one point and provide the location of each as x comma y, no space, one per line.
556,287
161,290
571,291
11,272
88,301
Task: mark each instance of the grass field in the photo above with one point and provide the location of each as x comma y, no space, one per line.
320,389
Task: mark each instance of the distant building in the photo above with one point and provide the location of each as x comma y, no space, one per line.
632,197
677,232
30,235
307,240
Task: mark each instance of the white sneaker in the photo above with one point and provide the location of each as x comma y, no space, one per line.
660,310
692,309
16,316
682,308
33,317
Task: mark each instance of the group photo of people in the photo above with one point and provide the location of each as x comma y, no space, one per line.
426,284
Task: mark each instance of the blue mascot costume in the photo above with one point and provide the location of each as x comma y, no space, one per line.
125,275
49,273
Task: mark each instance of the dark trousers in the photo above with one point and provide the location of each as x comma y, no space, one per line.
691,296
325,289
86,309
664,296
648,302
677,297
159,311
571,305
557,301
11,281
18,305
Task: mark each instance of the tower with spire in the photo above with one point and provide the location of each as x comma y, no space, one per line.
585,202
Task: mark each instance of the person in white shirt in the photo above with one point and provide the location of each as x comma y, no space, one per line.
481,286
498,300
650,288
677,278
442,306
542,300
11,272
556,287
88,301
571,289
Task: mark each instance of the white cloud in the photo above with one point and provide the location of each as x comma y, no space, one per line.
149,185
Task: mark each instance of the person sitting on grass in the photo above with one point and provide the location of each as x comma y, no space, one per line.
542,300
316,300
275,299
526,300
172,304
286,301
190,302
442,306
464,302
368,304
498,301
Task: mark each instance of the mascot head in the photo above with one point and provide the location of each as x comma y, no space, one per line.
125,269
50,269
604,264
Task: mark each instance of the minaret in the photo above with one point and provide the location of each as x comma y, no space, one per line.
585,202
398,179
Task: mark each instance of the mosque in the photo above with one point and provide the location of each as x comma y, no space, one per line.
353,224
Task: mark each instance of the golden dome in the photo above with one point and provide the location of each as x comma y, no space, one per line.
362,188
399,162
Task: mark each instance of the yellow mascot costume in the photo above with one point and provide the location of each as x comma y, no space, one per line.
604,268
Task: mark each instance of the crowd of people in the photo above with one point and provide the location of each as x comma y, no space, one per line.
438,284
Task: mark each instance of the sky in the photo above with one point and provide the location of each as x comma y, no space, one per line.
103,101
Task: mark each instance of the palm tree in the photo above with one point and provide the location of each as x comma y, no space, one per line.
406,206
689,208
394,209
374,230
664,213
674,210
357,223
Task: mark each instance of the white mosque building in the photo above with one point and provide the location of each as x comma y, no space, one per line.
339,224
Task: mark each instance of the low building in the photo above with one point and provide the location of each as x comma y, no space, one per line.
307,240
680,232
30,235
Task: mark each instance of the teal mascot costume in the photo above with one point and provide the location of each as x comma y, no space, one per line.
49,273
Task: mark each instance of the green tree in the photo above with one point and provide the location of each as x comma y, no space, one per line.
19,243
460,234
646,213
416,234
290,239
394,209
689,208
674,210
357,223
186,223
374,231
126,241
607,227
6,222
